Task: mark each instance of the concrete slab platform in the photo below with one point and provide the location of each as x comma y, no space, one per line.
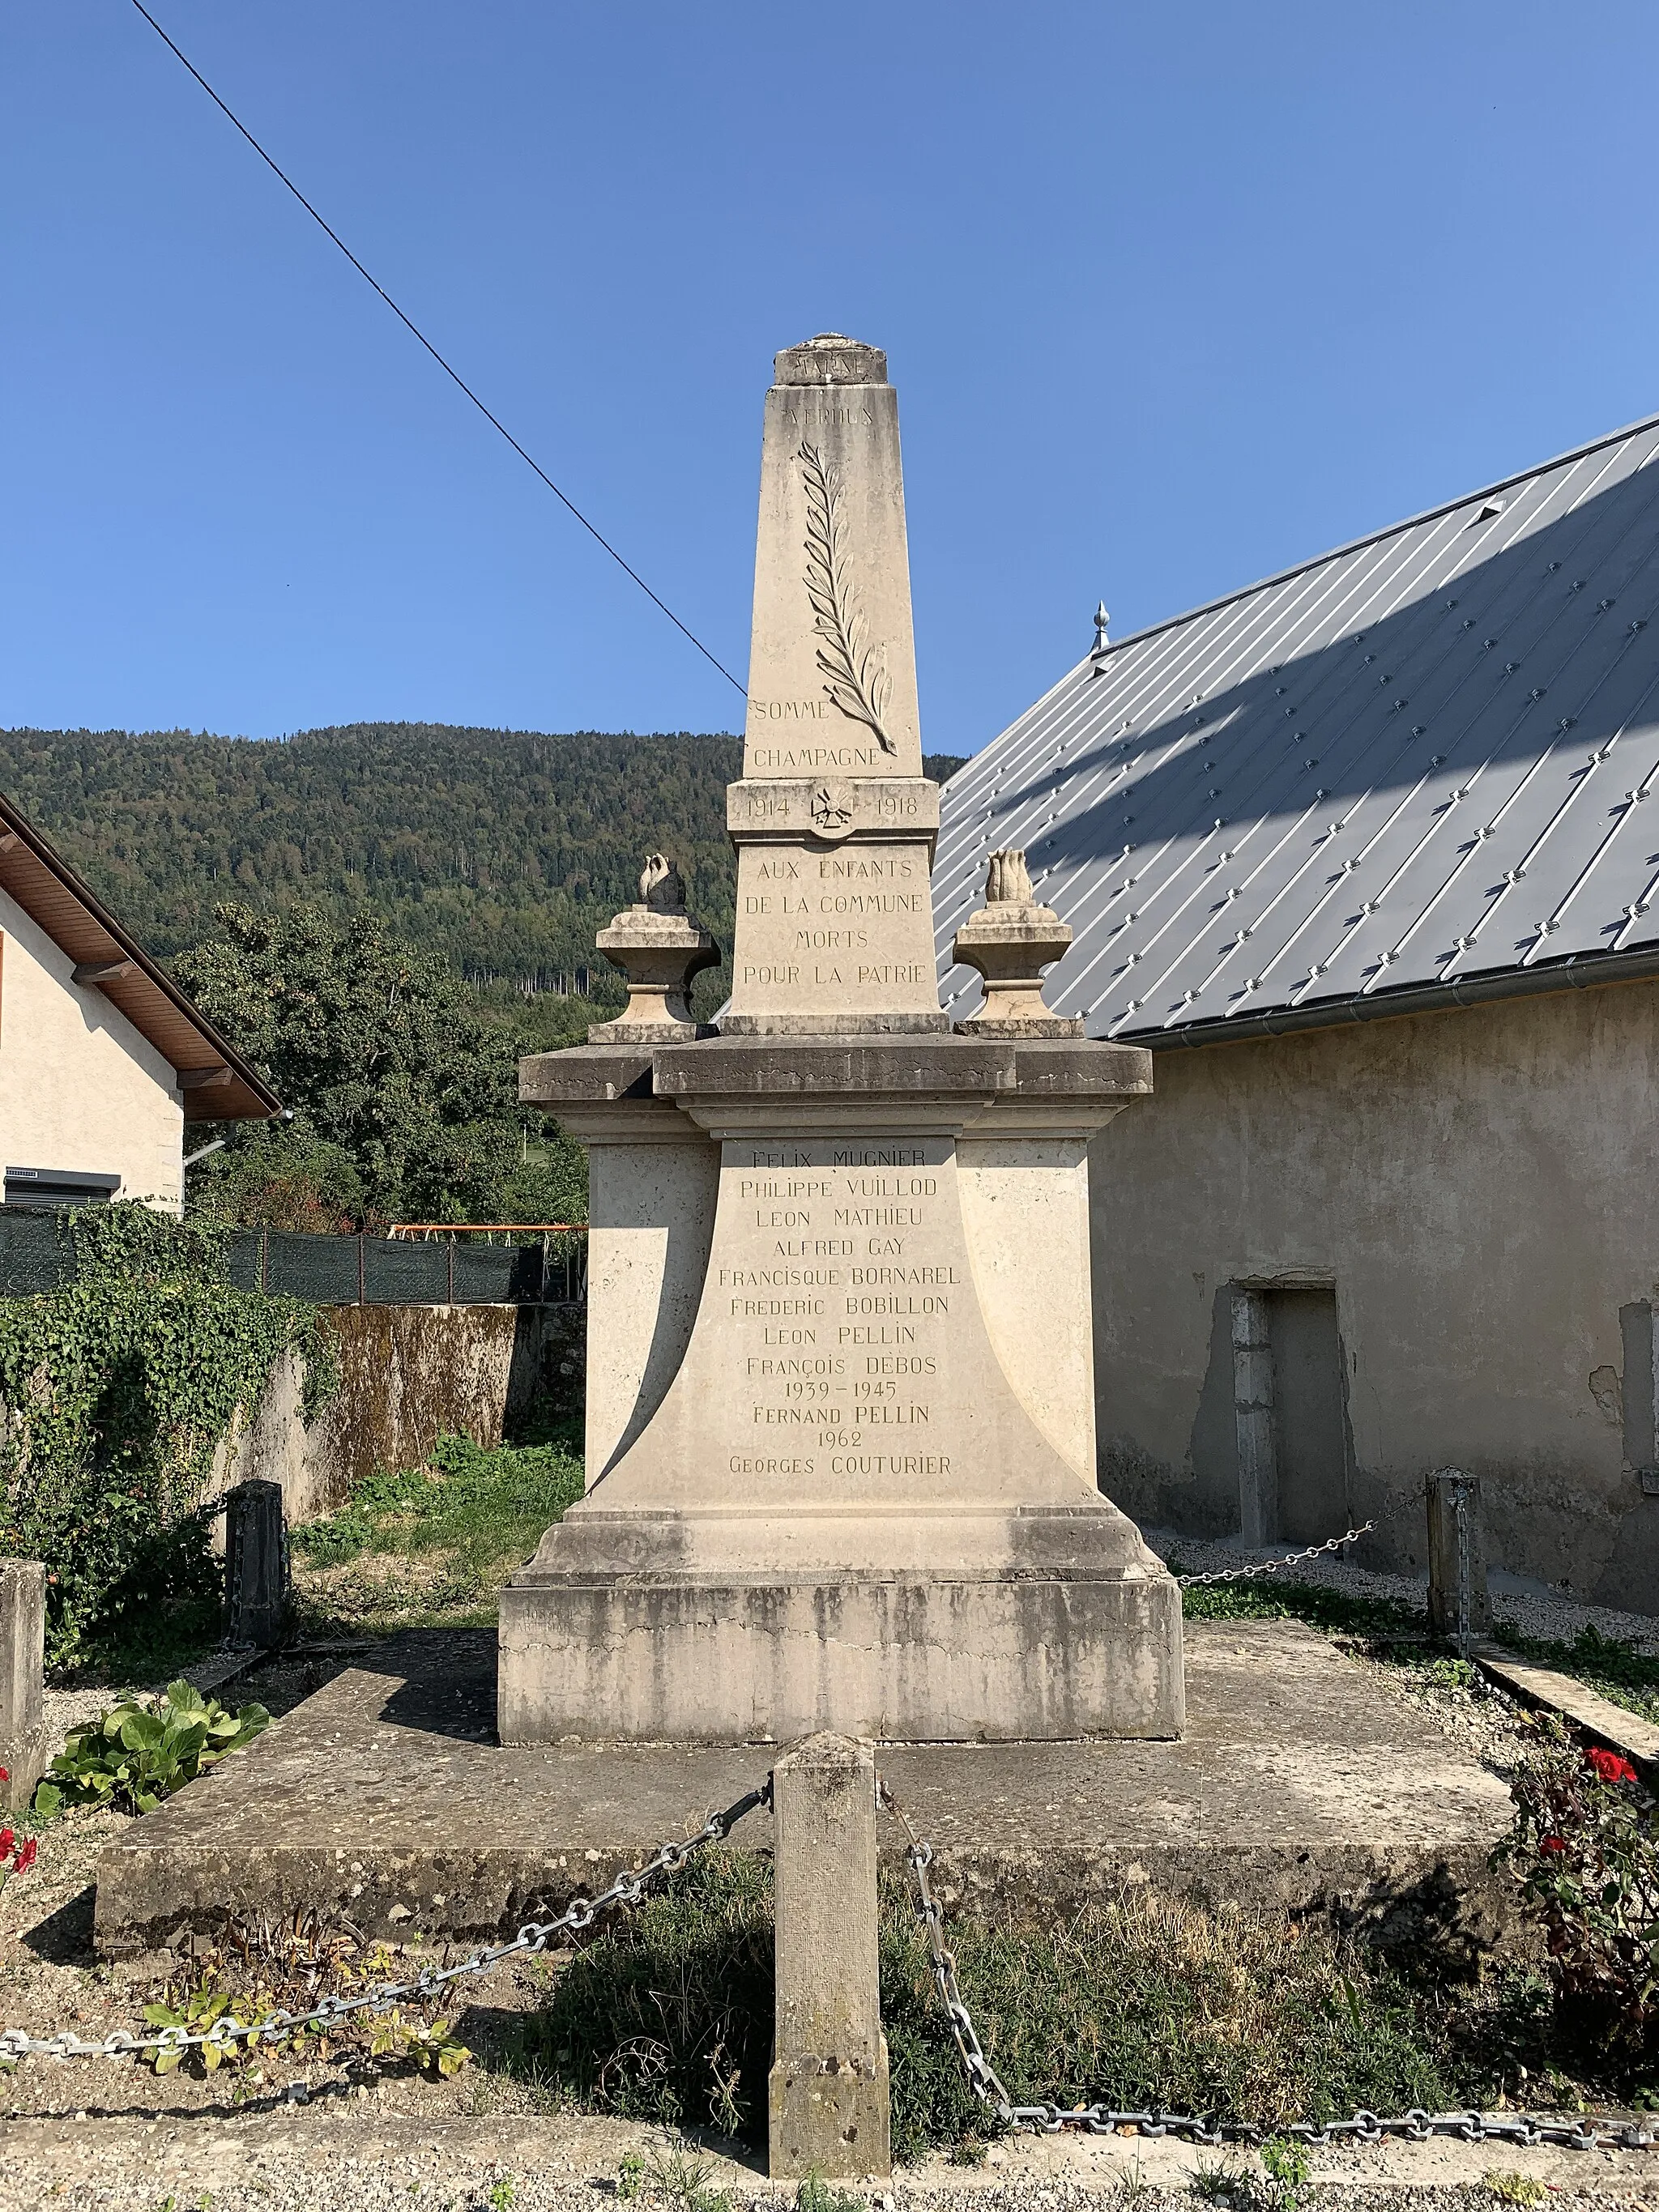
1301,1785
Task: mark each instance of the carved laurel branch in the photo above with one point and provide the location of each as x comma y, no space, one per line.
858,683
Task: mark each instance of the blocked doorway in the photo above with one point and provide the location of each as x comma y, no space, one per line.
1290,1404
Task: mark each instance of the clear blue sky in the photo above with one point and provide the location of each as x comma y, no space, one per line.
1174,294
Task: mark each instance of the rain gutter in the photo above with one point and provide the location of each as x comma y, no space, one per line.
1578,972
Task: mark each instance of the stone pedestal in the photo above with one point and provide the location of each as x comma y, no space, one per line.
859,1491
840,1428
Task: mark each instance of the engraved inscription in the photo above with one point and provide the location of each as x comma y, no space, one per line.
842,1300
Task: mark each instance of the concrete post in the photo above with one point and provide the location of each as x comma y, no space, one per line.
828,2106
256,1587
1457,1556
24,1748
1253,1415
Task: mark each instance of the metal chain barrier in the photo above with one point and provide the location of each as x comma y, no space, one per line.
1272,1567
333,2012
1461,1490
1525,2129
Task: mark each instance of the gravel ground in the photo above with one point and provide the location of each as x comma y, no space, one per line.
340,2159
1535,1612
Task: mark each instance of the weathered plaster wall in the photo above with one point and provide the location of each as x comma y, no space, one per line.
408,1375
79,1087
1478,1187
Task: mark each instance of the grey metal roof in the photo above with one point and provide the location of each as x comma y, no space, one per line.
1415,763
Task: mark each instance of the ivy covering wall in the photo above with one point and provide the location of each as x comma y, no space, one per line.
117,1388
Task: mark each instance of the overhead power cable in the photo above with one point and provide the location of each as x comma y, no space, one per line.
453,374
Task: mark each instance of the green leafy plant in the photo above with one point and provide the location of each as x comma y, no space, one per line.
196,2013
134,1754
434,2049
1285,2163
1585,1851
630,2176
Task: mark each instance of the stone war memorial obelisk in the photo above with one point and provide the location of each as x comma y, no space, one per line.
841,1454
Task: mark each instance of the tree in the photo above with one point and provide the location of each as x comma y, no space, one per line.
391,1075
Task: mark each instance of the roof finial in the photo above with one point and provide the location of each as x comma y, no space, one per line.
1103,643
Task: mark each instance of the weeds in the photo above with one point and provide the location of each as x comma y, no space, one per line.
1219,2184
681,2177
1515,2188
814,2195
1615,1669
1141,2003
436,1540
288,1969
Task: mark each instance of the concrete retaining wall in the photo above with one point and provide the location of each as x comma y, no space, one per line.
408,1375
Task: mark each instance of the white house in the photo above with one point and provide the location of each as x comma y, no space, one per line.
1365,854
103,1060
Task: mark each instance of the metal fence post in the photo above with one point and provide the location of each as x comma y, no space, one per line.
1459,1603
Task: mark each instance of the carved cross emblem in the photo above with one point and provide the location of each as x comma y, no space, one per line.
831,809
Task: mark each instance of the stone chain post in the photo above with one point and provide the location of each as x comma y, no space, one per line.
829,2107
256,1585
24,1749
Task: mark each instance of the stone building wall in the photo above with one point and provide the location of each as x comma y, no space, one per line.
1468,1200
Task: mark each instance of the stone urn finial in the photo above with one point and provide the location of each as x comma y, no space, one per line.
662,887
1010,940
658,949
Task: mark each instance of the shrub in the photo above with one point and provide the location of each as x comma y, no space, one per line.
1585,1850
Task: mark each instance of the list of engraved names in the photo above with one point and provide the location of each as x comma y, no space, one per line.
836,1294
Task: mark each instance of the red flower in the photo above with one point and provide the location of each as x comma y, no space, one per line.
27,1855
1609,1766
5,1774
8,1837
1553,1843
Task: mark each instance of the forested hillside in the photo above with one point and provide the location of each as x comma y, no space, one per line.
503,849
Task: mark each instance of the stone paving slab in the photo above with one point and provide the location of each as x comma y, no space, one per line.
1303,1783
1599,1718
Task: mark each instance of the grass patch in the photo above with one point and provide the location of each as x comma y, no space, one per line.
432,1545
667,2018
1606,1664
1275,1598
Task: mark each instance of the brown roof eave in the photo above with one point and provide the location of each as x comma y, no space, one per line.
216,1083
